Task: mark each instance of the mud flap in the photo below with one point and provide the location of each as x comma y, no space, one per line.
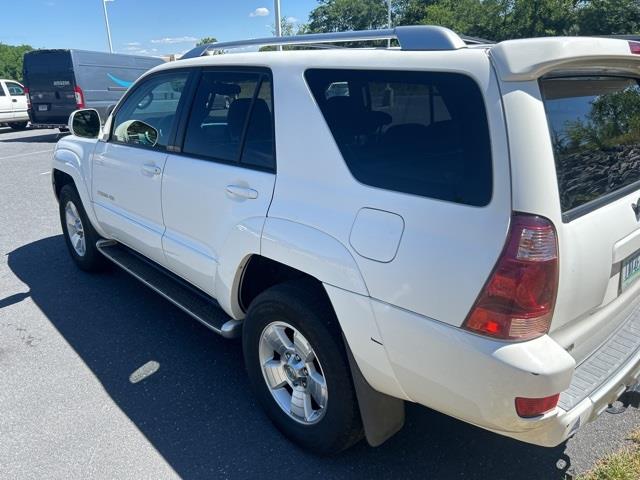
382,415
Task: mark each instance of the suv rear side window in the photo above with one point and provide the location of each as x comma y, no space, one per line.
595,132
423,133
229,109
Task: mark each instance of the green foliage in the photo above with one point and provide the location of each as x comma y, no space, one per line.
495,19
11,61
614,120
492,19
205,40
287,28
340,15
605,17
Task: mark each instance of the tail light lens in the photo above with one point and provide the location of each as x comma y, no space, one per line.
533,407
517,301
79,97
26,94
634,47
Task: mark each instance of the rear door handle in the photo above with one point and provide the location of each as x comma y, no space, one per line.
151,169
242,192
14,100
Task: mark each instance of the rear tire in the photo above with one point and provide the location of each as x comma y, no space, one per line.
299,314
18,125
79,234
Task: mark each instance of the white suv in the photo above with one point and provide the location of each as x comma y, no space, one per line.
445,222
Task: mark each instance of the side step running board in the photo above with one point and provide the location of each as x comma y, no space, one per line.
186,297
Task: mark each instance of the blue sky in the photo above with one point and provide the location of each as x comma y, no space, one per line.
151,27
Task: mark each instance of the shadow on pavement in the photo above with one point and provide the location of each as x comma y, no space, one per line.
43,136
197,410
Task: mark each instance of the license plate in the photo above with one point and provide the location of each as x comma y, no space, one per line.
43,108
630,270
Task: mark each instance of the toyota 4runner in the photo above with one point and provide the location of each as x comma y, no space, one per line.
446,221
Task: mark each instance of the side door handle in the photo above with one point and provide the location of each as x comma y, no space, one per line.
14,100
242,192
151,170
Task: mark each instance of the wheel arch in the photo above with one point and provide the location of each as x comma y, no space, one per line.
68,168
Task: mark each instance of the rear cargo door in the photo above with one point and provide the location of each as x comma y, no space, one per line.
50,79
594,121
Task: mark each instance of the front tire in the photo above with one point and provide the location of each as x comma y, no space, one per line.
298,367
18,125
79,234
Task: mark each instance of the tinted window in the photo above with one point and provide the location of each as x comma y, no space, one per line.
258,144
15,90
595,131
219,114
2,94
147,115
413,132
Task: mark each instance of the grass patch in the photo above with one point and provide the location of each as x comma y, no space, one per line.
621,465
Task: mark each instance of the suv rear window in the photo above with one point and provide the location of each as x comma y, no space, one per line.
595,132
423,133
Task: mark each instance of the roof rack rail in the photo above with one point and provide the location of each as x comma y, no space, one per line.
415,37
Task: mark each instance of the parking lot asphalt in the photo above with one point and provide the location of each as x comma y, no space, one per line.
71,409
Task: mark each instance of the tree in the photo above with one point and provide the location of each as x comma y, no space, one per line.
341,15
287,28
609,17
11,58
495,19
205,40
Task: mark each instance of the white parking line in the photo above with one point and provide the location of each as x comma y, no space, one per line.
45,173
26,154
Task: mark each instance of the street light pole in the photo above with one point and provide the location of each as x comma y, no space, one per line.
389,21
276,11
106,21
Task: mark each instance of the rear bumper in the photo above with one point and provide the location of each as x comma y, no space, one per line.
477,379
567,422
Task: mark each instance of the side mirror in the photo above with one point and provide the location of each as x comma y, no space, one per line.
85,123
141,133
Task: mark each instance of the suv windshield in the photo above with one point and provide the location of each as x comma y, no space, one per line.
595,131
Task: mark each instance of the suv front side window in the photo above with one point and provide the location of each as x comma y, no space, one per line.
147,116
15,90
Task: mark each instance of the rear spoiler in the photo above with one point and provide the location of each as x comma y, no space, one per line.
529,59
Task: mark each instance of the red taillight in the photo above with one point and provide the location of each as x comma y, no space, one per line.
634,47
517,301
79,97
26,94
533,407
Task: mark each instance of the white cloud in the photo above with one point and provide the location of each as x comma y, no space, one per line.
292,20
133,44
172,40
260,12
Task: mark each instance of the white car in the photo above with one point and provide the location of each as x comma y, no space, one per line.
449,223
13,104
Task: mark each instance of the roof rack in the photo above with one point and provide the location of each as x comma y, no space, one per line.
415,37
